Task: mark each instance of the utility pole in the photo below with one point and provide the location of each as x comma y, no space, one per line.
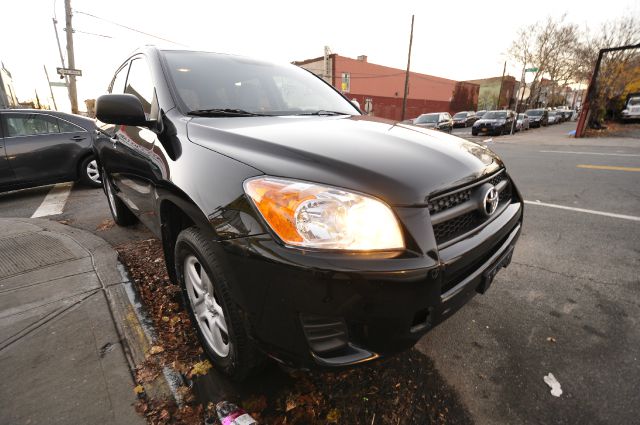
55,29
73,94
50,89
504,69
406,78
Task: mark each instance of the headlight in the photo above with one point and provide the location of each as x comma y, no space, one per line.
315,216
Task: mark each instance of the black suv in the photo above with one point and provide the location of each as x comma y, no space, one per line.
297,227
494,122
538,117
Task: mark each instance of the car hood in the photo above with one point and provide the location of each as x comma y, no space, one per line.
427,124
401,164
488,121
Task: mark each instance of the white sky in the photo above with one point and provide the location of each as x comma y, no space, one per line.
448,35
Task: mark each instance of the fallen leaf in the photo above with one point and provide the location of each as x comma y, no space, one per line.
551,339
156,349
165,318
333,416
105,224
139,389
200,368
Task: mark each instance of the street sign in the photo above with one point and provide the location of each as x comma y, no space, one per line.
54,84
531,70
69,71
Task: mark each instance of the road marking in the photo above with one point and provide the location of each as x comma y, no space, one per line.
609,167
53,203
593,153
606,214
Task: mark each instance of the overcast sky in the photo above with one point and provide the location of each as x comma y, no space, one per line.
457,39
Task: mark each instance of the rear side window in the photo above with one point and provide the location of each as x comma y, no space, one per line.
30,124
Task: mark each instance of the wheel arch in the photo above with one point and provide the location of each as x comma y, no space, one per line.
177,214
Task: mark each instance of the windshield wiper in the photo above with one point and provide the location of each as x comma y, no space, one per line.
323,112
223,112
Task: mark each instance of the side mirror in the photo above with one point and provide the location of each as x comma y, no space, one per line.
122,109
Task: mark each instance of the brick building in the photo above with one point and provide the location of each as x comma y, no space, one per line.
379,89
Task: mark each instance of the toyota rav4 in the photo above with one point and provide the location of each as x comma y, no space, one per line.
298,227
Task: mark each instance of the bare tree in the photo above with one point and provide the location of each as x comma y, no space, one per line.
617,69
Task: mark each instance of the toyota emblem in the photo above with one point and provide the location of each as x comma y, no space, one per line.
490,203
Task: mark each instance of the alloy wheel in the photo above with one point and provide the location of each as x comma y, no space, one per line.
206,306
92,171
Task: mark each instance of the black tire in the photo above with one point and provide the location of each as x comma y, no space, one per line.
474,133
89,173
122,215
243,357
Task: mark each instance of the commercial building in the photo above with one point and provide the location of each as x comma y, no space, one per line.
380,89
8,97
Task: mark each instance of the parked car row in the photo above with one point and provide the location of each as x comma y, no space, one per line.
443,121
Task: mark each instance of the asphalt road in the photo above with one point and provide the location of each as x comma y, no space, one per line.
569,304
574,279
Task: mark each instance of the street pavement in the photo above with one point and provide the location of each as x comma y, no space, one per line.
62,355
567,304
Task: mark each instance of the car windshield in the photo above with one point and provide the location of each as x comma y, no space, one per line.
521,116
534,112
226,85
634,101
495,115
426,118
460,115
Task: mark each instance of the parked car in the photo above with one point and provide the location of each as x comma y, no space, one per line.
44,147
632,109
522,123
494,122
565,114
553,118
435,121
538,117
464,119
295,226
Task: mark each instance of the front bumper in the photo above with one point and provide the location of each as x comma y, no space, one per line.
309,308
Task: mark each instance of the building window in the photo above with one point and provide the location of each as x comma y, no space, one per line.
346,82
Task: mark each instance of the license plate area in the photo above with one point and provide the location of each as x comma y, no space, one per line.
490,273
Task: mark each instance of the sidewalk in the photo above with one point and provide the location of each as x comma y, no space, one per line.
558,135
62,359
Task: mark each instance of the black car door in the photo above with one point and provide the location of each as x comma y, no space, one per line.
128,155
36,149
6,174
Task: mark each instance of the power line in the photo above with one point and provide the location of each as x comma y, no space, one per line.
92,33
129,28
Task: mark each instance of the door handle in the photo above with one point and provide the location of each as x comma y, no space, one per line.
78,138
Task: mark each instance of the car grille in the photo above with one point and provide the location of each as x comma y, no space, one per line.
457,213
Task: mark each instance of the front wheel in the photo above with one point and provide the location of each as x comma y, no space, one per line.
207,295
